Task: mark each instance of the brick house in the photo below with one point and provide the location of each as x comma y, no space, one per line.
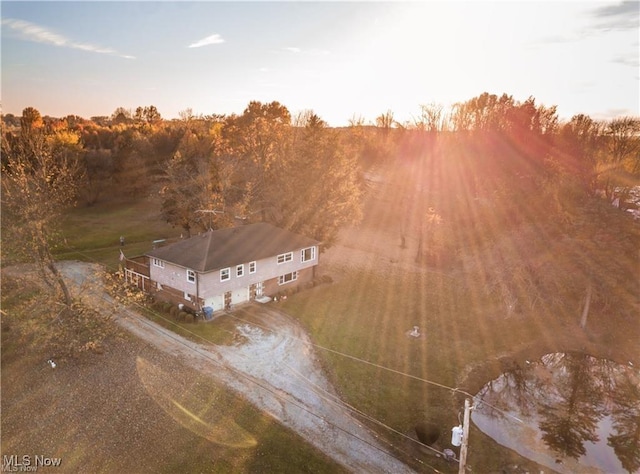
225,267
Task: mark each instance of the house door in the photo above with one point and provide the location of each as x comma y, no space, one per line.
227,300
259,289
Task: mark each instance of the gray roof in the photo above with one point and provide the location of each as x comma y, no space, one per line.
224,248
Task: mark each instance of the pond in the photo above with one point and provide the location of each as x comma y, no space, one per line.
568,411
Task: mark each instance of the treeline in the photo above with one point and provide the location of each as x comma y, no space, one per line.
262,165
299,173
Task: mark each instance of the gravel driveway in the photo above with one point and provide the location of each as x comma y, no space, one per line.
275,369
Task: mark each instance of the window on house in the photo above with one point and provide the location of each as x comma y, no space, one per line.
239,270
287,278
187,296
308,254
158,263
191,276
252,267
285,257
225,274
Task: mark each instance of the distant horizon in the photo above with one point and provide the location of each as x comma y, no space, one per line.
342,60
366,121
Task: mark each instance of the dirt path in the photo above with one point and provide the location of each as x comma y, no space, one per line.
276,370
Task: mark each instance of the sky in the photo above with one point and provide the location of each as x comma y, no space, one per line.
342,60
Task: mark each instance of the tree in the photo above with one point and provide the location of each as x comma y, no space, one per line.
255,143
385,121
193,192
39,181
318,190
431,118
625,414
148,114
186,115
121,115
580,143
151,114
621,165
31,120
571,418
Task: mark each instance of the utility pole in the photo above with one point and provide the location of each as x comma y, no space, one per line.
465,437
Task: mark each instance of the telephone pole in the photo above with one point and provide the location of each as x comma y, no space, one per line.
465,437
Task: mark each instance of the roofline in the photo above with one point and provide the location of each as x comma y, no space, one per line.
202,272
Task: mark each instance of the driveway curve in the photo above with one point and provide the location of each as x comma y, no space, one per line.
275,368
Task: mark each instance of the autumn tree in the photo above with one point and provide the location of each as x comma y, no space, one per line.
192,195
31,121
255,145
39,181
121,115
620,166
580,144
319,188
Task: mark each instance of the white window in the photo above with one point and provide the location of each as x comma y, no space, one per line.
308,254
225,274
187,296
252,267
191,276
285,257
287,278
158,263
239,270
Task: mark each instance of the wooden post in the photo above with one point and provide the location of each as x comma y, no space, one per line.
465,437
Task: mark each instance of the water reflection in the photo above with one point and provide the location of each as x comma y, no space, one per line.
578,413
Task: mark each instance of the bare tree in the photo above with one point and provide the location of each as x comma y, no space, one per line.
38,183
431,118
385,121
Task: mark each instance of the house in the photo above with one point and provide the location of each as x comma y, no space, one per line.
224,267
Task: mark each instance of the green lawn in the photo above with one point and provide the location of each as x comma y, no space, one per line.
367,317
93,233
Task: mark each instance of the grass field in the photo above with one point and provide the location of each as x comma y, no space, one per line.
361,317
360,323
93,233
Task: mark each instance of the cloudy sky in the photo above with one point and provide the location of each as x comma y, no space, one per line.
339,59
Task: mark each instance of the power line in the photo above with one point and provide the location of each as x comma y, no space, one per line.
330,398
358,359
208,355
397,372
342,354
